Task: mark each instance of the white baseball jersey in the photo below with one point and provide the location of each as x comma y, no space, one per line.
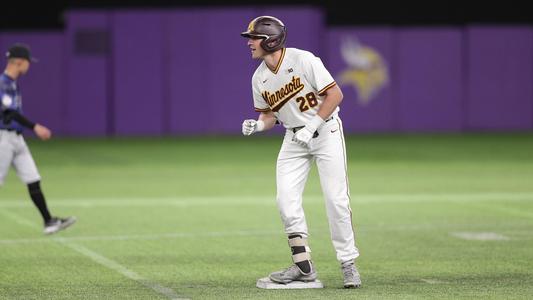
294,90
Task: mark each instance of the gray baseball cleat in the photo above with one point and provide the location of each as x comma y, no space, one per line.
293,273
57,224
352,279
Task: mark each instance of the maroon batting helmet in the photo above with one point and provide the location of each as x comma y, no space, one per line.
270,29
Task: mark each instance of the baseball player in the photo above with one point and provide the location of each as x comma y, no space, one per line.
292,86
13,148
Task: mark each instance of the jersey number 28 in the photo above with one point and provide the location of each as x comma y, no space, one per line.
307,102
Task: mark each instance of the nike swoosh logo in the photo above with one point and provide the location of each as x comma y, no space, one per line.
334,130
265,80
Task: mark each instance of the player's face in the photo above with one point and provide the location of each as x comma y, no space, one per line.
21,65
24,66
255,46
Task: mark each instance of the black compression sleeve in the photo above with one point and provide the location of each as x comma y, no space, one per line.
9,115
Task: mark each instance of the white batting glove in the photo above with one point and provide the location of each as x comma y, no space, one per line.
251,126
302,137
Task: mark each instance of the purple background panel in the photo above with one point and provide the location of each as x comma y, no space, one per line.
88,86
230,69
376,115
188,69
428,79
43,87
500,78
138,60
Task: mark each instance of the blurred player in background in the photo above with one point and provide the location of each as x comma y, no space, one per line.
13,148
293,87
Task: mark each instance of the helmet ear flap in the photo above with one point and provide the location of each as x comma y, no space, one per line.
274,42
269,44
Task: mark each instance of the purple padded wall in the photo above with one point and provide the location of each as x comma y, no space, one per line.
428,79
43,87
229,70
88,83
188,71
359,115
500,78
139,59
188,62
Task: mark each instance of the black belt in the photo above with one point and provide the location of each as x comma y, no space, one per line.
12,129
295,129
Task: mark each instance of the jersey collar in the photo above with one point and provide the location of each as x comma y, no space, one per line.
7,78
275,71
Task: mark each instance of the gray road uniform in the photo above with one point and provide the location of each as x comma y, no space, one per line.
13,149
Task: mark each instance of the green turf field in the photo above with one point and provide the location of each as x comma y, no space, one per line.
437,217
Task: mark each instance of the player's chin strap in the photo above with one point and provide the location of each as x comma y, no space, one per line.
300,253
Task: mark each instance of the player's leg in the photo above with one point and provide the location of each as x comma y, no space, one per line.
27,171
6,155
292,169
330,152
293,166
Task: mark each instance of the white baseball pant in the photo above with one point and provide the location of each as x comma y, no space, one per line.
293,166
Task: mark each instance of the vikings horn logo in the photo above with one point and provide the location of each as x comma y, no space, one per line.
367,71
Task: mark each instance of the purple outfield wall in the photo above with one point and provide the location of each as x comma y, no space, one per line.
88,76
500,78
440,79
188,64
428,80
43,88
138,73
358,115
424,87
154,72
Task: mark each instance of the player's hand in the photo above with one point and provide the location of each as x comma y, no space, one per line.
42,132
302,137
249,126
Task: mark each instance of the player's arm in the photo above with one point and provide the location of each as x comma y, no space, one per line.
268,119
332,98
9,115
322,80
265,121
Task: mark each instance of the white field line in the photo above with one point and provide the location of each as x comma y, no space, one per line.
106,262
145,236
432,281
521,235
113,265
480,236
21,221
269,201
510,211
